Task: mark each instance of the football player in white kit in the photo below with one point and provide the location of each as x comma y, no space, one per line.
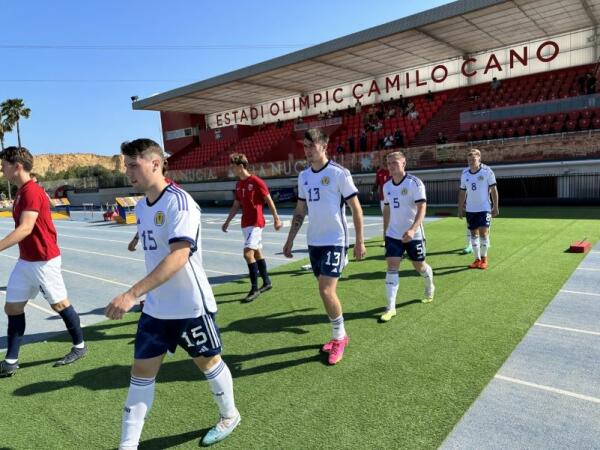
323,190
180,307
405,204
477,184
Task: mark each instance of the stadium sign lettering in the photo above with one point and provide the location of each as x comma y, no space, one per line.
545,52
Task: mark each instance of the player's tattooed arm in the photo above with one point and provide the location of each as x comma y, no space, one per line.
297,221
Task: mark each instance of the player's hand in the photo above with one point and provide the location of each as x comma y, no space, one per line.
287,249
408,235
119,305
495,212
133,244
277,225
224,227
360,251
461,213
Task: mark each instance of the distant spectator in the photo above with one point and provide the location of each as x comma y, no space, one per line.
279,123
363,141
410,107
378,126
429,96
351,143
358,107
388,142
350,110
392,111
339,149
582,84
399,138
495,84
441,139
402,103
413,115
336,113
299,120
329,114
590,84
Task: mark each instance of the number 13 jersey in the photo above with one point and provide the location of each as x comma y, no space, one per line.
325,192
174,216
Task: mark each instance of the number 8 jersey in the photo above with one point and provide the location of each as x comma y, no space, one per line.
325,192
174,216
477,187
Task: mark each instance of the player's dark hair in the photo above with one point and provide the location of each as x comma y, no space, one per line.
21,155
316,136
141,147
239,159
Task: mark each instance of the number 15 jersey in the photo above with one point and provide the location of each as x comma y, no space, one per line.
325,192
174,216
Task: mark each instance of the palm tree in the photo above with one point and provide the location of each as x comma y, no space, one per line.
14,109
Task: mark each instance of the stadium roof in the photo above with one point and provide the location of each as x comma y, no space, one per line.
453,30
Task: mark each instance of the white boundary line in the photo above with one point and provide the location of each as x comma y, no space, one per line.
549,389
575,330
592,269
580,292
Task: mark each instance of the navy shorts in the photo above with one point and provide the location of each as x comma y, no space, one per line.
480,219
395,248
327,260
198,337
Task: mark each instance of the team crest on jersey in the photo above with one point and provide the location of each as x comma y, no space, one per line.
250,186
404,191
159,219
325,181
480,177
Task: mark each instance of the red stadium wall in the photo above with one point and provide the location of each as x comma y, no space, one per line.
172,121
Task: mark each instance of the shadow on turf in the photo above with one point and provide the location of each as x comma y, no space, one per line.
117,376
160,443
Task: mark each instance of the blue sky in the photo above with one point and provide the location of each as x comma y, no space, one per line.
93,59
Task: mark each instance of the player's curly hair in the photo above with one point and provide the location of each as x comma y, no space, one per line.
239,159
21,155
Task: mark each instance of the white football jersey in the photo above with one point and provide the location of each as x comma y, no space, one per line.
174,216
477,186
403,199
325,192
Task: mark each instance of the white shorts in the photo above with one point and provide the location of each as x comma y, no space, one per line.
382,204
252,237
30,277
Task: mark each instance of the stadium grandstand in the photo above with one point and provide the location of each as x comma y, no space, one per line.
517,79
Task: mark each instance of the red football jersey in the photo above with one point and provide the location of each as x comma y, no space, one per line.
251,194
41,244
381,177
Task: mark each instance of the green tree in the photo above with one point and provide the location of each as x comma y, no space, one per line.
14,109
4,128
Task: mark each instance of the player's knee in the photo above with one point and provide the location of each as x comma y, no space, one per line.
205,363
14,309
60,306
249,255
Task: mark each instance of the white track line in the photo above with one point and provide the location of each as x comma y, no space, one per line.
575,330
592,269
549,389
580,292
85,275
100,254
41,308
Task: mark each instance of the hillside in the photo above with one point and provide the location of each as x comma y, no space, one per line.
60,162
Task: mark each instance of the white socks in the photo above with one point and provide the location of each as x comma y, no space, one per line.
221,385
337,327
485,242
138,403
427,275
476,248
392,282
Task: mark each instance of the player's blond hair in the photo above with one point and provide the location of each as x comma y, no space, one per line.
397,154
474,151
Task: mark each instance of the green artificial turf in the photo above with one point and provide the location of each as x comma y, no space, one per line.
403,384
